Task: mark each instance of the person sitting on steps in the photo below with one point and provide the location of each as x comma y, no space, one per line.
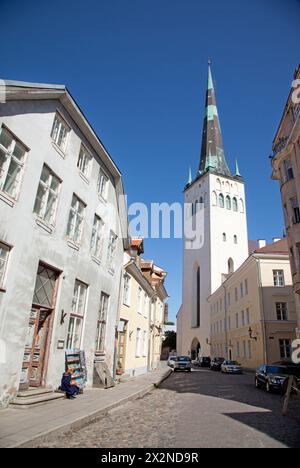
67,386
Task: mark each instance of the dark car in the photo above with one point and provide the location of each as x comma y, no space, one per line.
216,363
182,363
203,362
275,377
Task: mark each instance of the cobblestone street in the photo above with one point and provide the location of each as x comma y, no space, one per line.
198,410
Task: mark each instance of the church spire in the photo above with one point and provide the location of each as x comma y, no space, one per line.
212,151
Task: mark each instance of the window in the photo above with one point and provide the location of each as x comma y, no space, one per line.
228,203
111,252
138,343
242,290
281,311
246,287
214,198
77,315
248,316
296,210
224,237
102,184
229,323
145,344
245,351
47,196
59,133
235,204
235,239
84,162
4,254
12,159
236,294
146,305
140,298
243,318
238,349
221,326
96,237
278,277
229,299
289,173
221,200
236,320
101,324
242,205
126,290
76,217
285,347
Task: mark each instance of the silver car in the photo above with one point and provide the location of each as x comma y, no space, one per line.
231,367
183,363
171,361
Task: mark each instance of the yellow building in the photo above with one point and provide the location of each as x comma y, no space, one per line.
140,332
285,164
253,314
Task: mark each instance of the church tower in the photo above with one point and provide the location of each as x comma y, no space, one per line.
219,197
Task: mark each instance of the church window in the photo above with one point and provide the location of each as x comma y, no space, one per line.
224,237
235,204
235,239
227,187
228,203
230,266
221,200
242,205
214,199
218,184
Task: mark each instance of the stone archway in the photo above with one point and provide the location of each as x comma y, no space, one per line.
195,349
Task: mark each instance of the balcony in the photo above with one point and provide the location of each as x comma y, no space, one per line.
280,146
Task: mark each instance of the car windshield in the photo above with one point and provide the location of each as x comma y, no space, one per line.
183,359
172,358
277,370
232,363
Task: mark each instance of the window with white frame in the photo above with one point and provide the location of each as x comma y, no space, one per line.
77,315
281,311
101,323
96,236
111,251
126,289
138,343
4,254
84,163
60,131
47,196
285,347
12,160
76,217
102,184
140,300
145,343
278,277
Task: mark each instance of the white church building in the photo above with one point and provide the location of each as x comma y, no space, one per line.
217,199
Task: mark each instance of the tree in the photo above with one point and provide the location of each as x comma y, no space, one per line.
170,341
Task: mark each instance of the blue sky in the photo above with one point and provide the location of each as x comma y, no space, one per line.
138,70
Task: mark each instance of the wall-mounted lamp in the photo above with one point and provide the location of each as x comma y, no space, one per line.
250,331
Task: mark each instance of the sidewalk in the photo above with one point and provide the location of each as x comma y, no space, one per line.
19,428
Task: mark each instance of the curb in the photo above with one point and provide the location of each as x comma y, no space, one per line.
89,418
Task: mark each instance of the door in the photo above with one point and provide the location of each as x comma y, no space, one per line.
35,347
122,348
37,335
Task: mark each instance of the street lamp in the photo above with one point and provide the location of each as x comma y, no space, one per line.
250,331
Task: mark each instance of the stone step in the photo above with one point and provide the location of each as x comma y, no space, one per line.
32,392
34,401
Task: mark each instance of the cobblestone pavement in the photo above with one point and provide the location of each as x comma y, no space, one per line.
197,410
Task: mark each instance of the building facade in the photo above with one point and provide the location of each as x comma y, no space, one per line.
63,232
286,169
216,199
253,313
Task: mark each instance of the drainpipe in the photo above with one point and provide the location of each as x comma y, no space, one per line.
264,331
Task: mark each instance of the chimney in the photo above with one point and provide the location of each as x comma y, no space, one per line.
262,243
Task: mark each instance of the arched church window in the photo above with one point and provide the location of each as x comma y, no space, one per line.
242,205
228,202
227,187
235,239
235,204
214,198
224,237
221,200
218,184
230,266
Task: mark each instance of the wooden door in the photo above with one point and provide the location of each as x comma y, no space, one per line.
122,348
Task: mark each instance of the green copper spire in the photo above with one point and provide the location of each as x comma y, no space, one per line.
237,170
212,151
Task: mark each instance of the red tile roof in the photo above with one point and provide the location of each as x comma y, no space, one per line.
279,247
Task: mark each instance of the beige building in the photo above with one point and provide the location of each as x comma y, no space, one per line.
286,169
141,323
253,315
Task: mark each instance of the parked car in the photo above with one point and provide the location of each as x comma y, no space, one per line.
275,377
183,363
216,363
171,361
203,362
231,367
